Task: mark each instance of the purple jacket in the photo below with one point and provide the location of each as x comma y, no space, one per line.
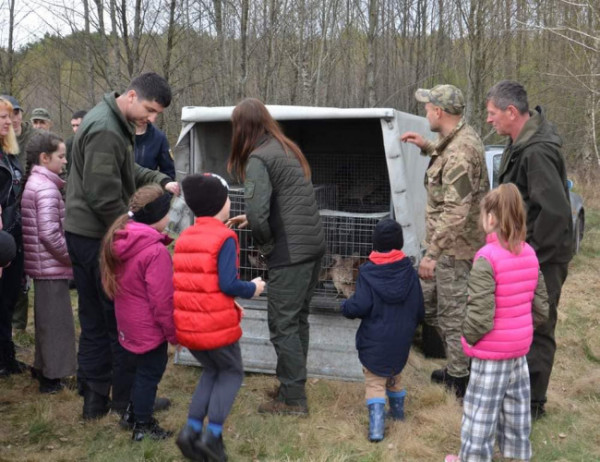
43,212
144,302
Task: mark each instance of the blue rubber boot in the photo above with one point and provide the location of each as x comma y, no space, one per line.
376,418
396,400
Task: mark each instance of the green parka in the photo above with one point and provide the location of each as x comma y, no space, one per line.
535,164
103,173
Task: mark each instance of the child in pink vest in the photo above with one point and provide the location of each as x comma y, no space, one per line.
507,297
137,273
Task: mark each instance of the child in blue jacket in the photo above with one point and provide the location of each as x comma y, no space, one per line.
389,301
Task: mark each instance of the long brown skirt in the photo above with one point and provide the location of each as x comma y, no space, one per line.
55,354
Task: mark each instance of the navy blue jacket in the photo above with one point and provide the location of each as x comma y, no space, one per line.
389,300
152,151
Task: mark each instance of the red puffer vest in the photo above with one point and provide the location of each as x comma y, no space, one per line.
205,317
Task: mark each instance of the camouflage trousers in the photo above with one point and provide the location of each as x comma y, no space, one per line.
445,306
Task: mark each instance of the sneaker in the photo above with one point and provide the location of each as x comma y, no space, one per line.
212,447
188,443
279,407
127,420
452,458
151,429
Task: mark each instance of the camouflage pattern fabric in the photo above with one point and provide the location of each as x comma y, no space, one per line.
447,97
456,181
445,306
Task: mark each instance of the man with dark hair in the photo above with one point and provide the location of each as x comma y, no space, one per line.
102,179
76,119
534,162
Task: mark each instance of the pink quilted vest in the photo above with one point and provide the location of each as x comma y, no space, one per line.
516,278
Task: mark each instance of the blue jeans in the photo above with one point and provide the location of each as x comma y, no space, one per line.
149,369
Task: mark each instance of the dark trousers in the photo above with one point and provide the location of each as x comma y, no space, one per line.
290,291
149,369
10,287
541,355
101,360
221,379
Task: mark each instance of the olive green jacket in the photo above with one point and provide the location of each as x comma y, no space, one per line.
103,173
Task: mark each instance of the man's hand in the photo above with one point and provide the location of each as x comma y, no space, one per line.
172,187
239,220
414,138
427,268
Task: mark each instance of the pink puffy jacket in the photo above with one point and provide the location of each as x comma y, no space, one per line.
516,278
144,301
43,212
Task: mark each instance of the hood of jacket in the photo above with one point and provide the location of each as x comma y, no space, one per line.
537,129
389,275
136,237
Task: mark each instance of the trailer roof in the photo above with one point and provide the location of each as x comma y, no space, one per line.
223,113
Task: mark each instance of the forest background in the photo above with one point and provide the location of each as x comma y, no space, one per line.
342,53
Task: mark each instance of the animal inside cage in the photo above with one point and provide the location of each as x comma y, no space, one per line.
348,237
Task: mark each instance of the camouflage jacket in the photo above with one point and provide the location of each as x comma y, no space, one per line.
456,181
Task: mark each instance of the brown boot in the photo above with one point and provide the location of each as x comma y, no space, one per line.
279,407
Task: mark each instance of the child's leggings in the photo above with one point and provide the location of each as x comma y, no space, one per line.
219,383
496,402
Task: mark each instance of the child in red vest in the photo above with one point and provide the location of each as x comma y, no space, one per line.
207,319
507,296
137,273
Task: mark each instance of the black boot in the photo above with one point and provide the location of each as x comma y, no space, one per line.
458,384
95,405
188,443
439,375
161,404
149,429
50,386
13,365
212,447
127,419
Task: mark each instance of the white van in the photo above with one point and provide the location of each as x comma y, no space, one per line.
361,173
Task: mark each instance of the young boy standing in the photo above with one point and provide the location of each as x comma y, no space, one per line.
389,301
207,319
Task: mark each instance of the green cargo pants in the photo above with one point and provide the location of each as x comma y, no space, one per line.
445,306
289,293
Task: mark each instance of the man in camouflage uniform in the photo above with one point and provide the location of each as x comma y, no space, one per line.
456,181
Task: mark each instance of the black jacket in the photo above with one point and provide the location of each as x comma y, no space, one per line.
535,164
389,300
11,178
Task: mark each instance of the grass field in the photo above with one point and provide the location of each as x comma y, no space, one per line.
35,427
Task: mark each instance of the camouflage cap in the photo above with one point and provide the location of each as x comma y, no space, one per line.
39,113
448,97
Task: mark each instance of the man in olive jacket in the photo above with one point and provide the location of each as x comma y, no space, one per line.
534,162
103,177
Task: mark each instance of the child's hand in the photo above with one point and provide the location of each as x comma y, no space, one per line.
240,221
260,286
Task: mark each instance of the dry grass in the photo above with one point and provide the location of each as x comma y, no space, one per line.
49,428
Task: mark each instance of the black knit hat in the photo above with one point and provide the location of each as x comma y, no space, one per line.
387,236
8,249
205,193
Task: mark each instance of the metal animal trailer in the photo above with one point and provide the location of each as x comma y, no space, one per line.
361,173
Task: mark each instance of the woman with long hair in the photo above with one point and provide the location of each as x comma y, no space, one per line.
11,175
282,213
